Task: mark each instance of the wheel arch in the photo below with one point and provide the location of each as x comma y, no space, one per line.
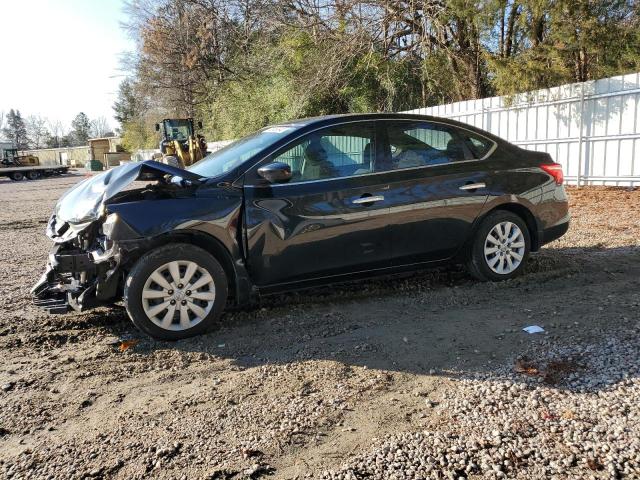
239,285
523,212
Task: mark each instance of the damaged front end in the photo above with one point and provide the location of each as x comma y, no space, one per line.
91,243
81,273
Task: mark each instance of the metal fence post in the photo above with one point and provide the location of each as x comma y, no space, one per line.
580,134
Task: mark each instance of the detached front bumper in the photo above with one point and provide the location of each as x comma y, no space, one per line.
77,280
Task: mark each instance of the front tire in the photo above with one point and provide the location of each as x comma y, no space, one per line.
500,248
16,176
175,291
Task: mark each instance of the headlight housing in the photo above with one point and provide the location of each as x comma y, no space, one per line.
110,223
116,228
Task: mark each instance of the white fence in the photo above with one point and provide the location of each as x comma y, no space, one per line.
591,128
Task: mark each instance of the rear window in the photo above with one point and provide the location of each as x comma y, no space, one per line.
479,146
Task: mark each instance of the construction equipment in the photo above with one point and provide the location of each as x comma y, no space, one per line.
19,166
11,158
31,172
180,145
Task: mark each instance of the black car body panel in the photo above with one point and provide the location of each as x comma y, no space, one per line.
273,237
301,229
431,216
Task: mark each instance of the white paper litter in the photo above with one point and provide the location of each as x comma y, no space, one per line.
533,329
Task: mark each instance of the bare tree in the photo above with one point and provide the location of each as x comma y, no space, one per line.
100,127
37,131
57,132
187,46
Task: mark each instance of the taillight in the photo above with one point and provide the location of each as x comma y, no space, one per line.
555,170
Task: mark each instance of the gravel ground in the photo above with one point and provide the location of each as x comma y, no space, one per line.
424,375
575,414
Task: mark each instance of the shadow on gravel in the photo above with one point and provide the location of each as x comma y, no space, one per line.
433,322
114,319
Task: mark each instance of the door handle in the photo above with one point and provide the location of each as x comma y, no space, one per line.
376,198
473,186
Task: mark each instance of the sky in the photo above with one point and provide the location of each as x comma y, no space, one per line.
61,57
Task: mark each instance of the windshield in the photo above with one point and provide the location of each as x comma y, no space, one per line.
235,154
177,129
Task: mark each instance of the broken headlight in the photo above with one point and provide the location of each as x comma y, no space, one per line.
115,228
109,225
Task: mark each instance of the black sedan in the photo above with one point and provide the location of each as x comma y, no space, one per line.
313,201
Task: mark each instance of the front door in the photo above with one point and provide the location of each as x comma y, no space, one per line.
436,188
331,218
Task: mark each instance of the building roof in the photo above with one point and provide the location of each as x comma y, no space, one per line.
115,137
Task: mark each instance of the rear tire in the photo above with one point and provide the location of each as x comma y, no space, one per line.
175,291
16,176
500,248
32,175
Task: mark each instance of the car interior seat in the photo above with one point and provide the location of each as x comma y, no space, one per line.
367,160
316,165
455,151
410,159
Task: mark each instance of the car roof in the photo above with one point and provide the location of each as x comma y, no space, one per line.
327,120
354,116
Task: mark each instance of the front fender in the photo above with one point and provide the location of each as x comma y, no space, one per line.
216,215
211,222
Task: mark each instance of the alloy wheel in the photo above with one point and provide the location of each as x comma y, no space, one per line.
504,248
178,295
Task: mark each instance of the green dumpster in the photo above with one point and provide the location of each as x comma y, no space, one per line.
94,165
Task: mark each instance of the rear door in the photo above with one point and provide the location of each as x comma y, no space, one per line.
330,219
437,187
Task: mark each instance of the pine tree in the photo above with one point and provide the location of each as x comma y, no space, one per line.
127,106
16,130
81,129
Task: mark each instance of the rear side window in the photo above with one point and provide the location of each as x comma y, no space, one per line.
479,146
421,144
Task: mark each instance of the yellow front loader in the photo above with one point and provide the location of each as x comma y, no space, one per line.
180,145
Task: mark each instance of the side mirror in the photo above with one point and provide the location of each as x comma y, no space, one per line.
276,172
157,127
199,125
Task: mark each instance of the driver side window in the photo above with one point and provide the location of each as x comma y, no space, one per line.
340,151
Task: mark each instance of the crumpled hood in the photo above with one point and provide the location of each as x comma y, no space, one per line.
83,203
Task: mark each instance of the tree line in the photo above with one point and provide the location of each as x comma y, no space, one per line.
241,64
34,132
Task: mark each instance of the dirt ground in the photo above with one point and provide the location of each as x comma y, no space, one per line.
300,385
